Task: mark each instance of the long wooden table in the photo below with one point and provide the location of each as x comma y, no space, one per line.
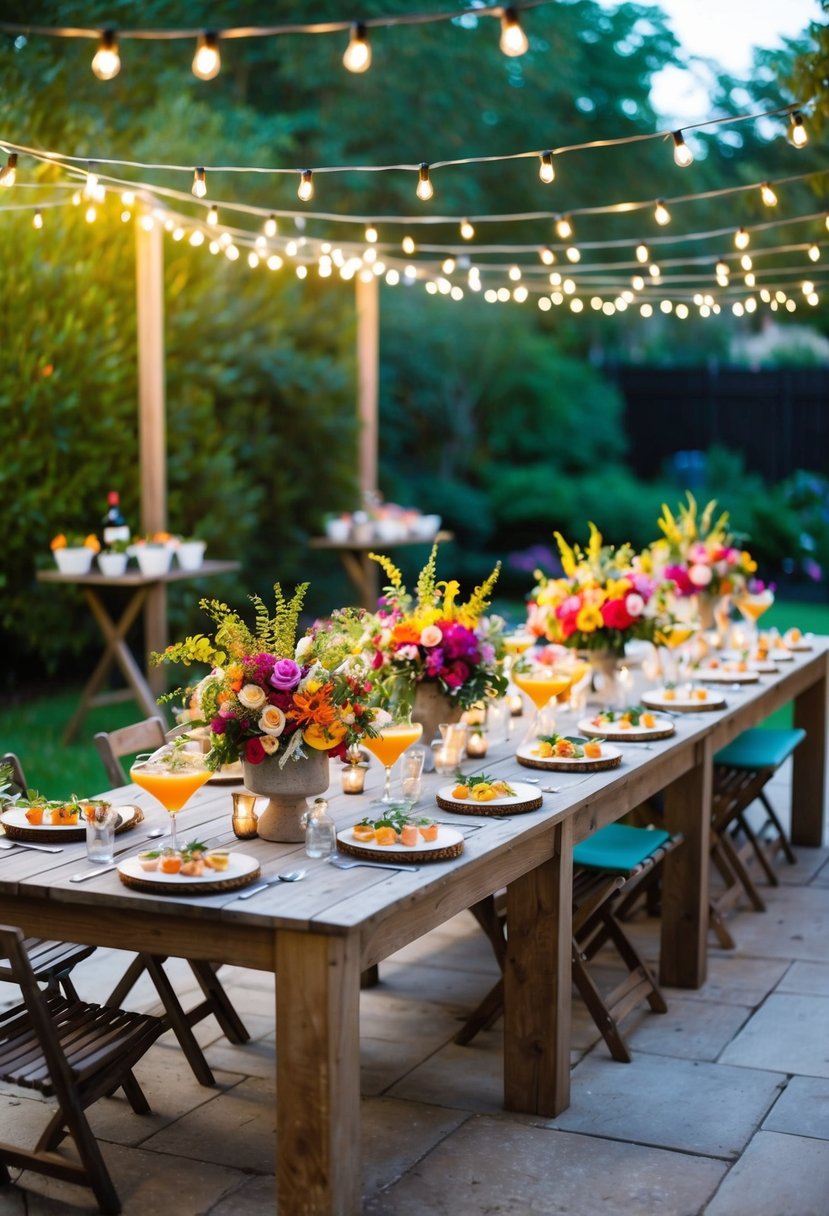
318,935
147,594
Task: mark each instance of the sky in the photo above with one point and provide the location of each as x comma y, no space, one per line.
725,30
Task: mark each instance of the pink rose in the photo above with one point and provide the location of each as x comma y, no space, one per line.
431,636
254,751
286,674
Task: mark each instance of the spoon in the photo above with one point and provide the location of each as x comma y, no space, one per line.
285,876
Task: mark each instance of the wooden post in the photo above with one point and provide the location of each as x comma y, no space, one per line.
152,431
368,375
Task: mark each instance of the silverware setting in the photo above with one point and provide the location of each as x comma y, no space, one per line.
347,863
39,848
272,881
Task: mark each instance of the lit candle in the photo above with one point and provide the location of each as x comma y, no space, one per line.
516,705
476,744
244,820
353,778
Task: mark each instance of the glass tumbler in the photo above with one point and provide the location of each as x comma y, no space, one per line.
101,822
411,773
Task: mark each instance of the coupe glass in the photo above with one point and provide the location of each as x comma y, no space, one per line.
172,775
542,682
751,605
392,739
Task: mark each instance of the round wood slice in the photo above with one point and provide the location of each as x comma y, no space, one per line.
47,834
216,887
684,707
362,853
626,736
556,765
468,807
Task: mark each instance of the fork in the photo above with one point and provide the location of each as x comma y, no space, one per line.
39,848
346,863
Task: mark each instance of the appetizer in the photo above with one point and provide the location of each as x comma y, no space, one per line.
395,828
567,747
481,789
625,719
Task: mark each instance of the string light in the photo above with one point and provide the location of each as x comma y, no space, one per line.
207,61
513,41
682,153
799,135
448,265
305,190
371,234
661,213
814,253
37,219
572,254
723,270
564,227
90,214
547,256
106,62
408,246
767,195
199,187
425,189
8,174
467,230
642,254
741,238
746,262
546,169
213,216
271,228
357,57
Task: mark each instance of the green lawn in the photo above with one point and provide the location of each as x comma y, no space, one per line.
33,728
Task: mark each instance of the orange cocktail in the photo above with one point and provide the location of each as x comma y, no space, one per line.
541,685
391,742
172,775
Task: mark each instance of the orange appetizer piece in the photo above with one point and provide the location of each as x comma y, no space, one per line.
564,748
592,749
648,721
408,835
385,836
429,831
66,814
669,694
362,832
460,791
701,694
170,863
35,815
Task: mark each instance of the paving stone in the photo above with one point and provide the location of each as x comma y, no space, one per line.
467,1078
733,980
678,1104
810,862
811,979
396,1135
776,1176
445,985
236,1129
787,1034
694,1030
795,926
254,1197
802,1109
498,1166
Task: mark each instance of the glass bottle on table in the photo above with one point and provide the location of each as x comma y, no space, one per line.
172,774
320,835
114,526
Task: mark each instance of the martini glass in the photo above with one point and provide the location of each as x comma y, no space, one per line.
541,682
751,605
389,744
670,640
171,775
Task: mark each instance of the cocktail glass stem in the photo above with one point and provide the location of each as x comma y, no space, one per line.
387,795
173,839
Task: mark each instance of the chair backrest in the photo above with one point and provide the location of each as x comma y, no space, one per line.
17,769
143,736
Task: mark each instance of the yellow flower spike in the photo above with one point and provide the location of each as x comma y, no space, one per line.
594,548
616,588
568,557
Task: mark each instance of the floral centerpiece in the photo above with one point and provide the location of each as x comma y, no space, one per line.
606,596
698,552
266,694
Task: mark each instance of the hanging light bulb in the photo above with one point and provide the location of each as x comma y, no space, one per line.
371,234
90,188
513,41
37,219
661,213
357,57
270,228
207,60
682,153
305,191
8,174
547,256
90,215
448,265
572,254
425,189
213,216
722,269
408,245
106,62
741,239
814,253
467,230
746,262
767,195
642,254
546,169
798,135
564,227
199,187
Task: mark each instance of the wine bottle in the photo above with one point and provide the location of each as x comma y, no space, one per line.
114,526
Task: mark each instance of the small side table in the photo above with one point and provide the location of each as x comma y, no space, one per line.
148,594
362,572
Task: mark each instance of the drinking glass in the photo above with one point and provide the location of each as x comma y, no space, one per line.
751,605
541,682
171,775
396,734
101,822
411,773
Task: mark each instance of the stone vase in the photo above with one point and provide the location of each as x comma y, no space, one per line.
287,789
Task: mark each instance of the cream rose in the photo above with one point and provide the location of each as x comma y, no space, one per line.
272,722
431,636
302,648
634,604
269,745
700,575
252,696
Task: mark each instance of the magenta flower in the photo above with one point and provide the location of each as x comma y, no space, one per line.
286,675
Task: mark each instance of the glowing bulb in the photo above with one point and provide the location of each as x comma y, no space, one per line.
448,265
546,169
305,191
467,230
767,195
199,187
424,190
751,279
514,273
722,269
207,60
357,57
513,41
408,245
270,228
253,259
576,305
90,215
814,253
654,271
666,306
682,153
106,61
806,287
547,256
572,254
213,216
196,238
128,198
37,219
741,238
371,234
637,283
799,134
746,262
661,214
90,188
646,310
642,254
564,227
274,262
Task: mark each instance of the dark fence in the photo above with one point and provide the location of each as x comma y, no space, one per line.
778,419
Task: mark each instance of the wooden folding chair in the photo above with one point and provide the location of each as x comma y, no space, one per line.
741,771
73,1052
608,867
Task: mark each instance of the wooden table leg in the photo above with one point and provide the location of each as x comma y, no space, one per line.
317,1075
809,767
537,984
683,955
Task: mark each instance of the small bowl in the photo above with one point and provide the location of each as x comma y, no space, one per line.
74,561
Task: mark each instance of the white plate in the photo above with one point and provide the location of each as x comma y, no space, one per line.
615,731
15,817
765,666
608,759
226,774
725,674
806,642
446,838
239,865
681,701
523,793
